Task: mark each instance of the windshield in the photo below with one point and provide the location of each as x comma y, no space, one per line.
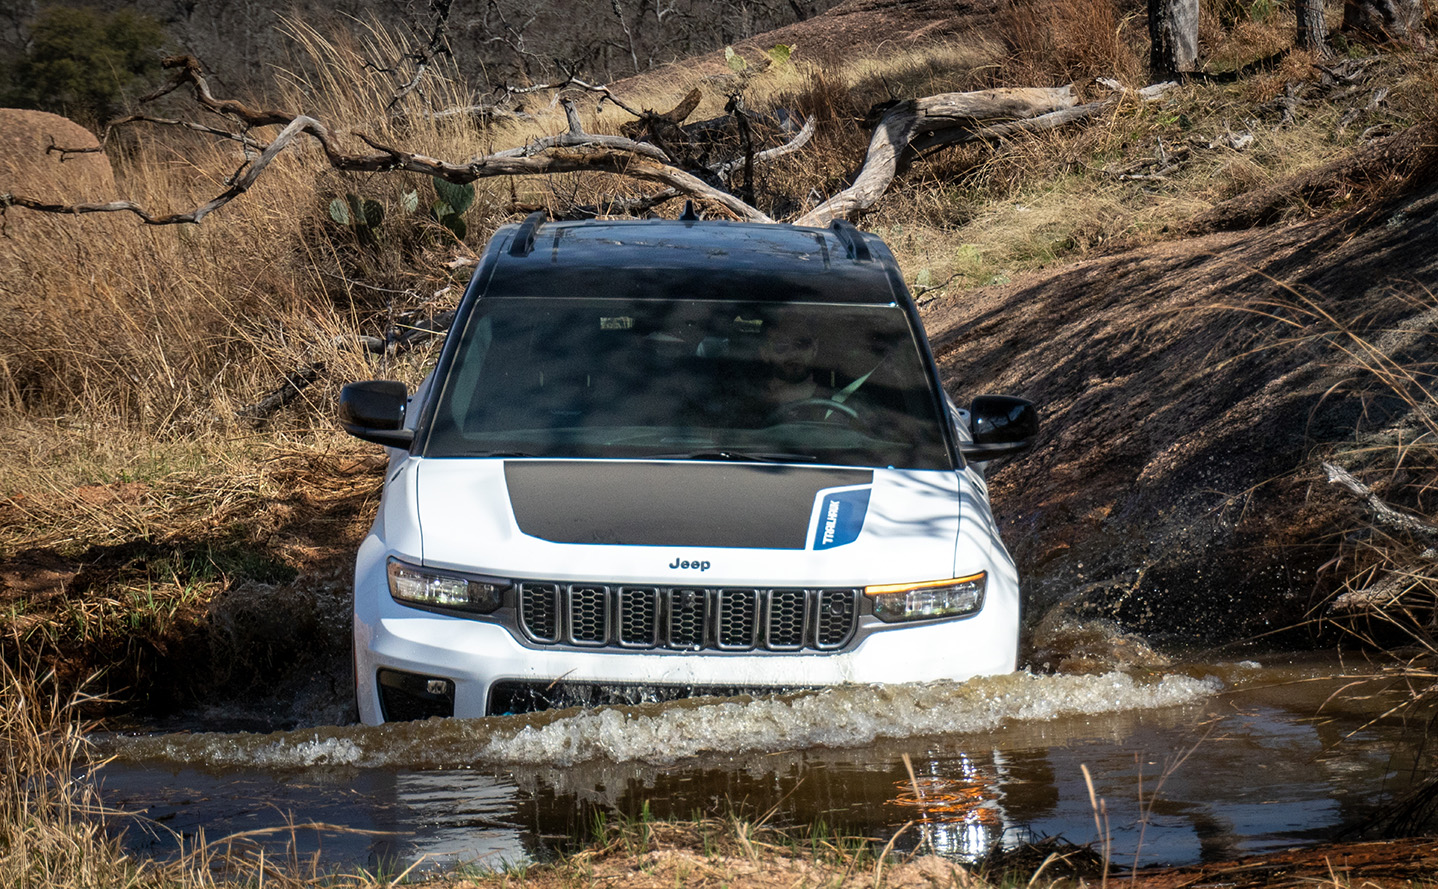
689,379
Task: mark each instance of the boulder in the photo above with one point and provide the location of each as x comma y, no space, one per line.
50,158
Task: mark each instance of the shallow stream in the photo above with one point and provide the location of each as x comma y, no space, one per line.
1192,764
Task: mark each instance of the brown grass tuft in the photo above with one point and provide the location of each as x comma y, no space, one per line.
1050,42
51,834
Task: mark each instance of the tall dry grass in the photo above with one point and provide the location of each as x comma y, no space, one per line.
1387,595
1049,42
51,828
172,330
56,832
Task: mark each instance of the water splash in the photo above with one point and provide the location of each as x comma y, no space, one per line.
849,716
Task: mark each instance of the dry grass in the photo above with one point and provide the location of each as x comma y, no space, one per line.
174,330
57,833
50,833
1067,41
1387,589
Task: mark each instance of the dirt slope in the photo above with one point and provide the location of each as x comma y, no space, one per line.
1176,485
849,31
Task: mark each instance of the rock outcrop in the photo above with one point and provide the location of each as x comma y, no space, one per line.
50,158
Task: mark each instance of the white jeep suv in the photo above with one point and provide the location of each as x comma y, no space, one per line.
678,457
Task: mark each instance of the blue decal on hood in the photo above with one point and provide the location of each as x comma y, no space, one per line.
841,518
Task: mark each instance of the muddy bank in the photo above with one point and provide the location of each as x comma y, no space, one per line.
1176,485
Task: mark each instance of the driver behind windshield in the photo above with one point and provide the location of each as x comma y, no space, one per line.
786,354
782,379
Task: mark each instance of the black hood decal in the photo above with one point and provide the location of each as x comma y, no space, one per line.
670,504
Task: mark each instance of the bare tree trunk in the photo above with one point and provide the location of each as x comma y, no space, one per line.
1173,32
628,36
1312,28
1383,20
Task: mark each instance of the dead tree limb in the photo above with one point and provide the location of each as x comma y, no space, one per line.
438,45
1001,131
1405,156
244,139
295,382
239,186
65,151
389,159
901,124
800,139
1383,514
903,130
576,137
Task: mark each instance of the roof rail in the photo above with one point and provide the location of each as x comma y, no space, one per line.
852,239
523,243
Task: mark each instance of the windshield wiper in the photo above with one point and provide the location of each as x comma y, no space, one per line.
739,457
483,454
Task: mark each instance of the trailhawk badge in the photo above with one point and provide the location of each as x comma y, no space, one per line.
840,517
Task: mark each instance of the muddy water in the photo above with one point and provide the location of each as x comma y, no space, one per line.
1192,764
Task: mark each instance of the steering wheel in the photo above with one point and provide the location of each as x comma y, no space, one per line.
794,410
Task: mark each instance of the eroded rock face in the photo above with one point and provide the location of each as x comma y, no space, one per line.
1175,487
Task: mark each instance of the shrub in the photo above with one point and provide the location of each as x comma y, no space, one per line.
84,63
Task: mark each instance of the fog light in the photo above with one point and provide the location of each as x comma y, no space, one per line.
404,697
927,600
436,589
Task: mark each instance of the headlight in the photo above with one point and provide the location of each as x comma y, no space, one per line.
933,598
435,589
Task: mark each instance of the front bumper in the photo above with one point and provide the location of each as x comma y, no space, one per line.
480,658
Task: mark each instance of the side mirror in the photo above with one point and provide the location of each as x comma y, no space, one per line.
1002,425
374,411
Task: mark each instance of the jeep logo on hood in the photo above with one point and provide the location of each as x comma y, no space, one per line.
693,566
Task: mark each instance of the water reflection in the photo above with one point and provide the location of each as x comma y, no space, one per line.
1240,772
959,808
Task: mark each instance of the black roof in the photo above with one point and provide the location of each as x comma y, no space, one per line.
694,259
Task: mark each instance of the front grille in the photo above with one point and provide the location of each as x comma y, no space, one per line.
587,615
520,696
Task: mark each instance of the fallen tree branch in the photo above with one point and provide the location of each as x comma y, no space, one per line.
904,129
620,161
557,161
244,139
799,141
576,137
288,391
65,152
1383,514
904,122
1406,156
239,186
1001,131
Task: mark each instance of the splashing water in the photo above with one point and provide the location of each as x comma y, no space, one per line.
849,716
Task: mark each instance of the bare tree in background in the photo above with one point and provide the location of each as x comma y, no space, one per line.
1384,20
1173,32
1312,27
628,35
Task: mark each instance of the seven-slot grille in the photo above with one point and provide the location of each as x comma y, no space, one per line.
588,615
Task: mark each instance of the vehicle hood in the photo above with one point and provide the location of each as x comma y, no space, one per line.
691,522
